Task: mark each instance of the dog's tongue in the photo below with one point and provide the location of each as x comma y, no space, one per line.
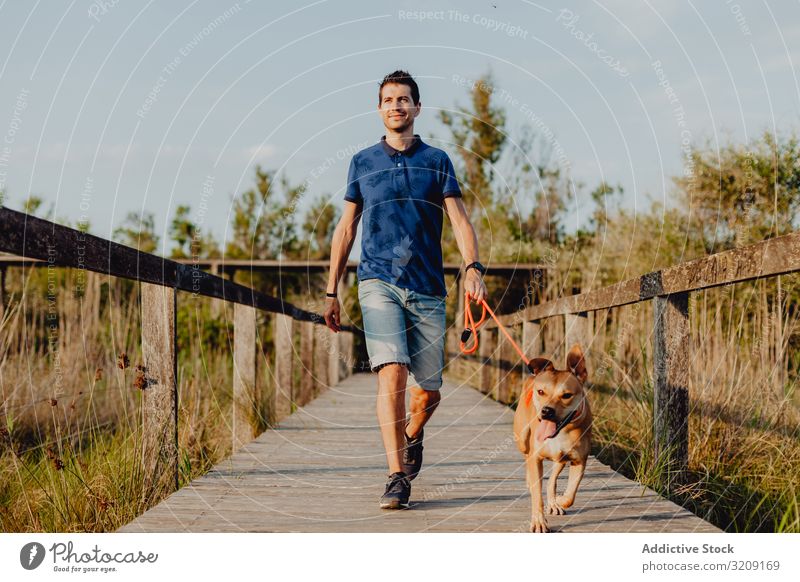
545,430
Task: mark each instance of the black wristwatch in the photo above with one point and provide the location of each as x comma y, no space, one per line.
477,266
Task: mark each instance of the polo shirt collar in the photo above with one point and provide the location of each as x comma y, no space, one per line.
410,149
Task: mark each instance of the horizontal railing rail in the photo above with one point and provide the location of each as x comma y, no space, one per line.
769,258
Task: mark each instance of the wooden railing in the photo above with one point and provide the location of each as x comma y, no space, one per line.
37,243
328,355
669,290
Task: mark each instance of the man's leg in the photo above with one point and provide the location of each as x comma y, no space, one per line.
421,405
391,405
426,339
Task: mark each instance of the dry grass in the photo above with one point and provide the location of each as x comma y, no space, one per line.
744,450
69,419
70,416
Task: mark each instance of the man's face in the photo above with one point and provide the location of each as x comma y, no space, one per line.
397,107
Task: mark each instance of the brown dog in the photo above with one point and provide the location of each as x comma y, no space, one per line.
553,421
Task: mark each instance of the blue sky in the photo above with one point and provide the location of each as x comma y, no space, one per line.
109,107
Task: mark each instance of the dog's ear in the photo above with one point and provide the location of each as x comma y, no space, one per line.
576,363
539,365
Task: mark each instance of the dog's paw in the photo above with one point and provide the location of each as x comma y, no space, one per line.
539,524
564,501
554,508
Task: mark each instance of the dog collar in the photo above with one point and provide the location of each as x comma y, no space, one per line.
582,409
571,417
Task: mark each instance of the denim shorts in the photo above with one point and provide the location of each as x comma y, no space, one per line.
404,326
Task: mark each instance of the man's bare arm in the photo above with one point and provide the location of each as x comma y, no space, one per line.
467,242
343,238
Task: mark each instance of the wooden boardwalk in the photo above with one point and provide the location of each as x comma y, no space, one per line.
324,469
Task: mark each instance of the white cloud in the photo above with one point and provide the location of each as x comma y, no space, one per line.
259,152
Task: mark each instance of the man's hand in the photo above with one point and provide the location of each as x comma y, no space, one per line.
474,285
332,314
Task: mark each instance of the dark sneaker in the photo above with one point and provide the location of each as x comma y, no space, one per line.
412,454
398,490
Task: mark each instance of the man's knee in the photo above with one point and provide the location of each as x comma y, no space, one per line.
427,398
392,366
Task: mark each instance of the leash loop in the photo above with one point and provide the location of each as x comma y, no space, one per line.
471,328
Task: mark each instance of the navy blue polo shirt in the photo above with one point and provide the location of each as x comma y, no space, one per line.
403,193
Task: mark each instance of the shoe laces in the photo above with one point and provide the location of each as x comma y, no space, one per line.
397,483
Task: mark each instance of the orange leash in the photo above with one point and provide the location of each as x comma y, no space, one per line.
471,328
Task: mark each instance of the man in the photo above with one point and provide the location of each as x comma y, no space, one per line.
399,186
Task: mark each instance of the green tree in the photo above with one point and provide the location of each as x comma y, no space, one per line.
189,240
479,134
138,231
264,225
318,227
182,230
517,214
534,174
742,194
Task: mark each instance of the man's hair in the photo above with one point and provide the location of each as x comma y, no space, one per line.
401,78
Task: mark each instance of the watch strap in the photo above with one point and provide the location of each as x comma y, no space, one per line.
477,266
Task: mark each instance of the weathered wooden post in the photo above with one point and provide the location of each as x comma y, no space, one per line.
531,338
306,389
671,358
158,382
245,376
284,357
334,353
218,305
548,336
486,349
506,357
335,346
519,370
322,339
578,330
345,338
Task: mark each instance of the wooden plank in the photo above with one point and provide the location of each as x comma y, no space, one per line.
283,334
486,348
321,344
768,258
472,479
507,358
346,355
158,381
306,388
553,337
334,352
516,376
531,338
578,330
245,375
344,340
671,362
